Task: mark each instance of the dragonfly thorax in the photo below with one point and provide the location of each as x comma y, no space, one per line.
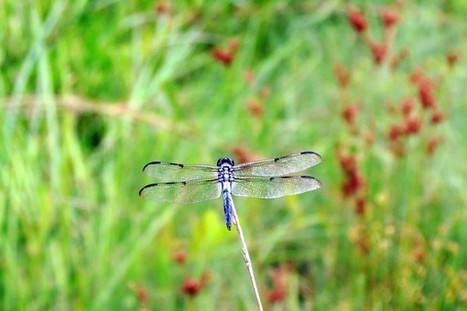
225,170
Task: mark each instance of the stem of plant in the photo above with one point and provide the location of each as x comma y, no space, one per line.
246,256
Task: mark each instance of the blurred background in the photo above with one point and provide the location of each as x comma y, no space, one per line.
90,91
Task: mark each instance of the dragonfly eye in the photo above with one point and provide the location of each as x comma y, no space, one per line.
225,161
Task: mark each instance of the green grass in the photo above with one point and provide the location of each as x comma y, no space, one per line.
90,91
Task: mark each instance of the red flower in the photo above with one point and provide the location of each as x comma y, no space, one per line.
342,75
353,180
360,206
142,295
437,117
452,58
419,254
412,125
353,183
140,292
379,52
249,77
407,106
255,108
179,257
395,132
224,57
277,295
162,7
432,145
279,276
425,93
389,17
350,113
357,20
205,278
348,163
416,76
191,287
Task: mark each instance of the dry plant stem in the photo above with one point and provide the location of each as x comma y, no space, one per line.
246,257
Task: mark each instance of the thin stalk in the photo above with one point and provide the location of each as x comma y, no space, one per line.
246,256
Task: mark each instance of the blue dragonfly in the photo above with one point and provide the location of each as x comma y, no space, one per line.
268,179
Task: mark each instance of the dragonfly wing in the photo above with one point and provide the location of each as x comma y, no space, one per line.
273,187
183,192
168,171
279,166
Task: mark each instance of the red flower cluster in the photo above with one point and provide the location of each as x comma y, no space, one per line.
191,287
255,108
353,180
389,17
255,104
432,145
342,75
395,131
412,117
379,51
452,58
279,275
226,56
141,294
407,106
179,257
360,206
425,93
437,117
357,20
349,113
162,7
412,125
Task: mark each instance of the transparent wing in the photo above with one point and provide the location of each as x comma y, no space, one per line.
184,192
168,171
279,166
273,187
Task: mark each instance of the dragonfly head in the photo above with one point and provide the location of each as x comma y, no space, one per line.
222,161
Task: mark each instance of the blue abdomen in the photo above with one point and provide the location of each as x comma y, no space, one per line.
227,208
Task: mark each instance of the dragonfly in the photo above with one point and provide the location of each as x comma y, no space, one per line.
267,179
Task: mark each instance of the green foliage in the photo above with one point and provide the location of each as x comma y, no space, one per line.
90,91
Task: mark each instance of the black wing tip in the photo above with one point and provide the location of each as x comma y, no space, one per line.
159,162
313,178
311,152
140,192
151,163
